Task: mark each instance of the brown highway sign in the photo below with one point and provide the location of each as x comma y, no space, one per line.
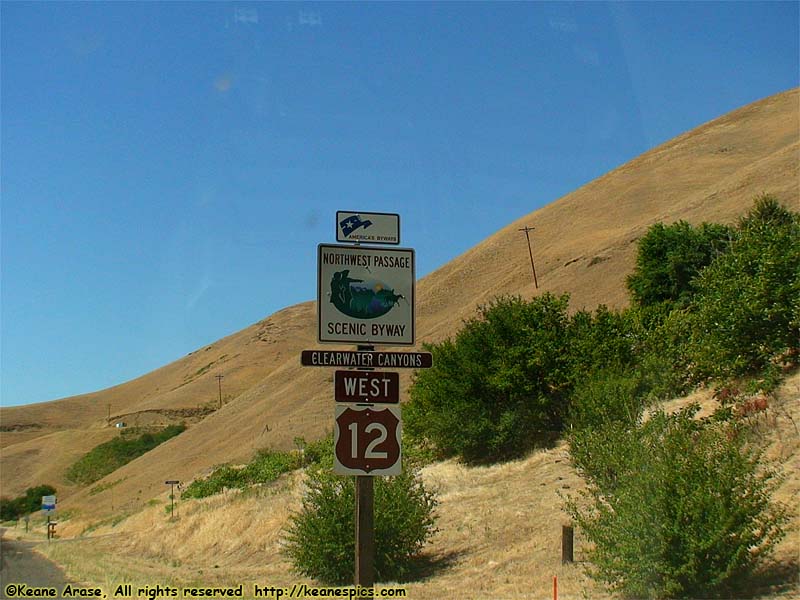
366,360
367,440
366,386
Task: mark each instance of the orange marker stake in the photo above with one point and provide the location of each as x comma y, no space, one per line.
555,587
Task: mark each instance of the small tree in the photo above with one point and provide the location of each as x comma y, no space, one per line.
670,257
747,308
320,539
500,386
675,507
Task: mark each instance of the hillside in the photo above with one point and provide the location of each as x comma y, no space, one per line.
584,244
498,537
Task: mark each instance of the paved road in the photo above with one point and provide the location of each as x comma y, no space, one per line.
20,564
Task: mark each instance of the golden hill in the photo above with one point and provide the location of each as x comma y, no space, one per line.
584,244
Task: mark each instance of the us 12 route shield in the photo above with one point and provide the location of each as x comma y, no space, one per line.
367,440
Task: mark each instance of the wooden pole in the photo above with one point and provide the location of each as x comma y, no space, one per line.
365,532
567,533
219,381
527,229
365,518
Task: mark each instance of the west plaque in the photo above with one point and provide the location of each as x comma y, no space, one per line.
366,386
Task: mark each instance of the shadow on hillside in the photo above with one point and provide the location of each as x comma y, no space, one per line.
775,579
426,566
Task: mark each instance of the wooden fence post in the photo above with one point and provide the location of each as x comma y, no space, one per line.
566,544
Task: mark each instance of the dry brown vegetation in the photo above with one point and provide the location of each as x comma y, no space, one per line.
499,525
499,528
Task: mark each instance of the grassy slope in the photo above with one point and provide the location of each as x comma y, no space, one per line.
584,244
499,528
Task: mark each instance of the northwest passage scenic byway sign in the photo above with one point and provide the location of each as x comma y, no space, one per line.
365,295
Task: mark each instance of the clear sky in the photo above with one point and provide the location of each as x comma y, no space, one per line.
169,168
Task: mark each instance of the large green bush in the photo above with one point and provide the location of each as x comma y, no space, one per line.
676,507
661,335
670,257
600,341
607,397
746,311
500,386
320,538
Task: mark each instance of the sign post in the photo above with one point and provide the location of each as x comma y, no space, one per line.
365,532
365,296
48,506
172,483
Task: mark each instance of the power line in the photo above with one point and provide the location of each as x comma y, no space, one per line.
527,229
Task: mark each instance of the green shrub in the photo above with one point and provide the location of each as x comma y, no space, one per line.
110,456
268,465
670,257
500,386
315,452
10,509
608,397
222,477
320,538
265,467
600,341
747,307
675,507
30,502
662,350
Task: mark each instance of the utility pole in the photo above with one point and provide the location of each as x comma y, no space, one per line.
219,381
527,229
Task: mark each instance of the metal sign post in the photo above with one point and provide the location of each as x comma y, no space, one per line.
48,506
172,483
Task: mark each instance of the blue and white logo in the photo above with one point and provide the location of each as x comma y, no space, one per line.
350,224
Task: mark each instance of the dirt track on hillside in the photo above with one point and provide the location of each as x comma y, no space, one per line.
20,564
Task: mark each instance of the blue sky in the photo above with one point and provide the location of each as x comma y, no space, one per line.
169,168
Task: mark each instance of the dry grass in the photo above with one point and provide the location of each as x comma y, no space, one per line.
499,528
500,525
